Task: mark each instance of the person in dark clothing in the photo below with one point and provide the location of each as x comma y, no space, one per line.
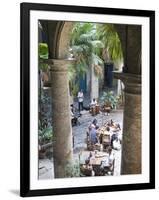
95,123
114,137
93,136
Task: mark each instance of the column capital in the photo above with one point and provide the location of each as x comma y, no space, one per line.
132,82
58,65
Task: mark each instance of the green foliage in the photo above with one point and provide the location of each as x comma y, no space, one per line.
43,54
109,99
98,65
108,35
75,89
43,50
72,75
78,30
71,72
86,47
72,170
45,135
89,39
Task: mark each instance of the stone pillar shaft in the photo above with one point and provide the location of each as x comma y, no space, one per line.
131,143
62,130
94,85
130,37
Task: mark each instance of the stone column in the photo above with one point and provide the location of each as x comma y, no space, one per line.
130,37
94,85
131,142
62,130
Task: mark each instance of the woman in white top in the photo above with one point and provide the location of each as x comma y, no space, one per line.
94,102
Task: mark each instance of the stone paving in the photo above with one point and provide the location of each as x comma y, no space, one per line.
79,132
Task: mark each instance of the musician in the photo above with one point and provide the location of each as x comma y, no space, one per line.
93,102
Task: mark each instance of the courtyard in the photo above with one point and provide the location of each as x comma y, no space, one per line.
80,147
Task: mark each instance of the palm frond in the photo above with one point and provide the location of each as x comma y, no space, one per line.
97,44
77,48
111,41
71,72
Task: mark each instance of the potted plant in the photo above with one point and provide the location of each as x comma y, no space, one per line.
109,101
45,140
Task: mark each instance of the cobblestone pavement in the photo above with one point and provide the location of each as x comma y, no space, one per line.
79,132
46,169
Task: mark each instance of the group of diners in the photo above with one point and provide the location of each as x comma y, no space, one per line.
100,138
102,142
99,163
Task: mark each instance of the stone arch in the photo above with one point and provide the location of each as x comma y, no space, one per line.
64,39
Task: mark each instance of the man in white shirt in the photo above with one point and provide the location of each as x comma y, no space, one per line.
80,100
93,102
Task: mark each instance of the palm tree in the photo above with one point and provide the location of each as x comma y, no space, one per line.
86,47
112,50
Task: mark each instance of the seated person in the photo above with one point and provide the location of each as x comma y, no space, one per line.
72,115
107,162
90,127
72,108
86,169
120,136
107,133
113,137
111,157
107,124
117,126
93,135
74,118
106,138
116,144
112,123
93,102
93,107
95,123
103,134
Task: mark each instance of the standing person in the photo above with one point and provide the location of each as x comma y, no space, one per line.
80,100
